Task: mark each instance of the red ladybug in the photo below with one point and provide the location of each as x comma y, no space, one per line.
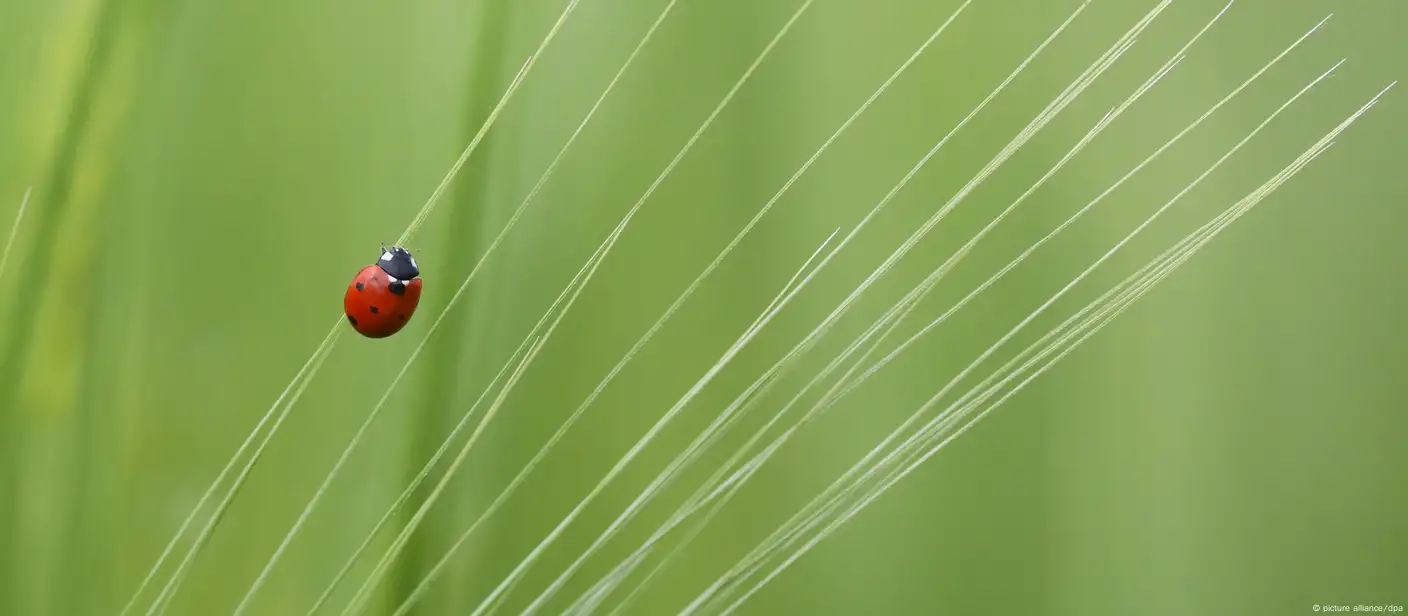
383,296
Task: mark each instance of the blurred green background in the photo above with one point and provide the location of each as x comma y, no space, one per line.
209,175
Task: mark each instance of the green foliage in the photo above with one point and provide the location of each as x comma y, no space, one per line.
208,176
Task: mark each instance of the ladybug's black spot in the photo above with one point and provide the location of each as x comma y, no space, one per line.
397,287
359,286
374,310
352,320
400,317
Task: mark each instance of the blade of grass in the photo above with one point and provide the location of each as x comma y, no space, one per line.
38,264
571,292
693,503
850,384
772,544
663,479
680,155
14,231
333,333
365,591
1094,325
298,379
698,281
415,483
420,218
167,594
330,339
513,219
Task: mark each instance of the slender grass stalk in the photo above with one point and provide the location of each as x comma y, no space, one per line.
1164,267
572,288
571,292
770,544
488,604
891,320
513,219
672,470
621,226
14,231
893,316
616,233
850,383
1104,302
962,374
847,383
410,231
1107,59
698,281
1091,325
372,579
163,599
361,431
415,483
487,124
298,381
358,600
918,437
434,571
328,341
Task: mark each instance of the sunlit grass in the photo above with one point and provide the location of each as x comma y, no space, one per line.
650,408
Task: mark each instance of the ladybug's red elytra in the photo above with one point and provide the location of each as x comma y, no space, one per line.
383,296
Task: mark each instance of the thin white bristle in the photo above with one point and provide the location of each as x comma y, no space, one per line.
14,232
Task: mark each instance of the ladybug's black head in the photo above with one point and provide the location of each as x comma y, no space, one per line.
398,263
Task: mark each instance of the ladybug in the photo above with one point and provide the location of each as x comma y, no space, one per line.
383,296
